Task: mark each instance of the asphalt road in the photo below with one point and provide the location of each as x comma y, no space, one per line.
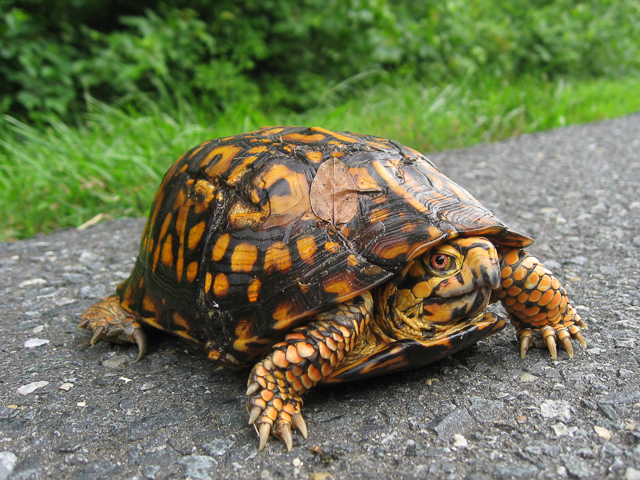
68,412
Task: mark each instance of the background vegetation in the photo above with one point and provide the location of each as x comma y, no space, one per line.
99,96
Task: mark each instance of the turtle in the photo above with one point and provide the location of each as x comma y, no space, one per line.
318,257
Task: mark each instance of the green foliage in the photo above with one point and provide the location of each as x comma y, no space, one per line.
293,54
111,163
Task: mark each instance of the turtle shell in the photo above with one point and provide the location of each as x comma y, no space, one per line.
250,235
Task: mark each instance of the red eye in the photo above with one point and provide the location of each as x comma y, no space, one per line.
440,261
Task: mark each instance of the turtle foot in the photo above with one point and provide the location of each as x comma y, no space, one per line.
552,336
109,321
273,408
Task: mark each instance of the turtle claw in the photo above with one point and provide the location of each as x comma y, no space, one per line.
263,432
578,336
253,416
549,335
566,342
525,342
251,389
84,323
300,424
97,334
141,340
285,434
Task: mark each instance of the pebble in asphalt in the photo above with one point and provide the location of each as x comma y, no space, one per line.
484,413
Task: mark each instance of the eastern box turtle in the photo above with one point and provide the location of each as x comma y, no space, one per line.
321,257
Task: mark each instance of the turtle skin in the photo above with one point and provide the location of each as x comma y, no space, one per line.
309,254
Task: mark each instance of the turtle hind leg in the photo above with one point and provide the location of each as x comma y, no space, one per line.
109,321
305,357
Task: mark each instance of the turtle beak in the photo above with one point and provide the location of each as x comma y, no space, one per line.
483,260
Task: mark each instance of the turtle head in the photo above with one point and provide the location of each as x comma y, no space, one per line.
445,289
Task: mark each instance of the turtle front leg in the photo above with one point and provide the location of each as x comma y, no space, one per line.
109,321
536,302
302,360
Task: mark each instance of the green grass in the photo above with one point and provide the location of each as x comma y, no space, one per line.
112,163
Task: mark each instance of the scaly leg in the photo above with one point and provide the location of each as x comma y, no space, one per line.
109,321
536,302
303,359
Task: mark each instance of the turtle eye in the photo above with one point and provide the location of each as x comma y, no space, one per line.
440,261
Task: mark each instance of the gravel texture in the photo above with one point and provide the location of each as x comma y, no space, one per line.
71,412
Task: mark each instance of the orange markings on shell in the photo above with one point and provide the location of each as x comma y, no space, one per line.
352,260
165,226
392,252
307,249
178,319
181,197
531,311
326,368
339,286
265,131
258,149
195,235
253,290
299,137
518,306
507,283
332,247
555,284
305,350
220,285
509,301
339,136
196,151
148,304
315,157
292,354
244,257
220,247
192,271
523,297
208,280
277,258
167,251
238,172
226,152
398,189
